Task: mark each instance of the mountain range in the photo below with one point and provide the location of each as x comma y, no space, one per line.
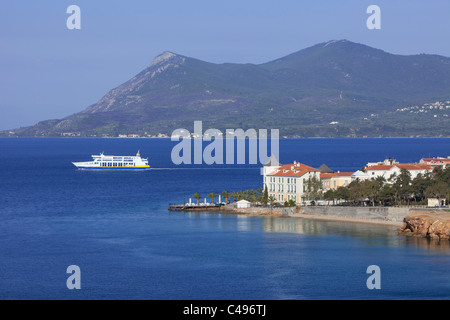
333,89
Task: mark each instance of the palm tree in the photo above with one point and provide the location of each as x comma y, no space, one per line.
272,201
265,196
226,195
198,197
252,193
212,195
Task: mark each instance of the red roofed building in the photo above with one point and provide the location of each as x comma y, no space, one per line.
386,171
288,182
335,180
435,162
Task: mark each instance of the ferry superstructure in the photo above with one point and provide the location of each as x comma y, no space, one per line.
111,162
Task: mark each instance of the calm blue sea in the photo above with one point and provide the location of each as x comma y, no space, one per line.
115,226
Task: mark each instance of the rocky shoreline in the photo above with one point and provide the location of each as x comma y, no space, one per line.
433,225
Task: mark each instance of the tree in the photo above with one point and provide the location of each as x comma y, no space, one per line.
419,184
212,195
313,188
290,203
371,188
386,195
330,195
198,197
265,196
402,185
442,175
342,193
226,195
355,191
272,201
440,190
251,195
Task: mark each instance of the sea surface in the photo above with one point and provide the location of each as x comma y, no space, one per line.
116,228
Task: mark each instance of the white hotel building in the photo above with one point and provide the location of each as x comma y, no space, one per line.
288,182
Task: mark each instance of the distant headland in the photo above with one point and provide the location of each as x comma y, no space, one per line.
335,89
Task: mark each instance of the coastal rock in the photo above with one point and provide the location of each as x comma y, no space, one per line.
431,225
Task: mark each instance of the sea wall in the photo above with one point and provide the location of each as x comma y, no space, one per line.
378,213
253,211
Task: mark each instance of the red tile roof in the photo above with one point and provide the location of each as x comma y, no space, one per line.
436,160
335,174
293,170
407,166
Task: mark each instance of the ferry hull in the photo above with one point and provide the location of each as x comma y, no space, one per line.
113,168
87,167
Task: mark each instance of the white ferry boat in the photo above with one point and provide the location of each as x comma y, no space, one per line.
110,162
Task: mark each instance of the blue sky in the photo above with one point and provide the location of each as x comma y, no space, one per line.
48,71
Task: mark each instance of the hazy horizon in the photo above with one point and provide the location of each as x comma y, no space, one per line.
49,71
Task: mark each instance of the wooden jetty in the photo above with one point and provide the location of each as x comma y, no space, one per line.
181,207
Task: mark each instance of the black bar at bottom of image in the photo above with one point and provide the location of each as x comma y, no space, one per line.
209,309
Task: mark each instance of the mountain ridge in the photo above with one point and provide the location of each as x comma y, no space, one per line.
338,81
